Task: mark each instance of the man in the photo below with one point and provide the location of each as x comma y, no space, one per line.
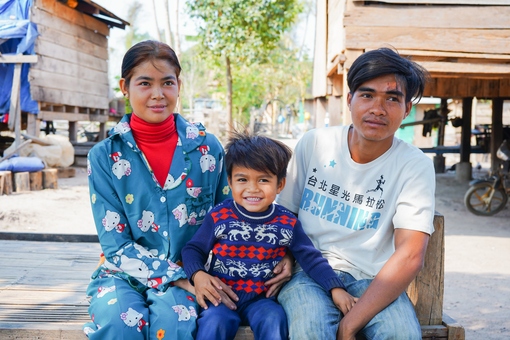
366,199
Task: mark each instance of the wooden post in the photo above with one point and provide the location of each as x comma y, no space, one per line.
21,181
426,291
50,177
36,181
73,132
496,131
102,132
465,139
33,125
7,182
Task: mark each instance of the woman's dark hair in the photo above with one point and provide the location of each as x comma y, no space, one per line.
258,153
411,76
148,50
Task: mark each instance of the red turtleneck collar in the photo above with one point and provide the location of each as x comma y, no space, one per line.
157,142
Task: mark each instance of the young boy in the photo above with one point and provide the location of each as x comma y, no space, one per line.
248,236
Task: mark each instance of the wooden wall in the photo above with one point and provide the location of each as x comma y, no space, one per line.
73,57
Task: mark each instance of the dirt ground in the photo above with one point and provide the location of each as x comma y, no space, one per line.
477,270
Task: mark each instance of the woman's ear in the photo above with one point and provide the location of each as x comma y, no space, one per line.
123,87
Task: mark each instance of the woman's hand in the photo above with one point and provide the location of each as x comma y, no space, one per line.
184,284
213,289
284,273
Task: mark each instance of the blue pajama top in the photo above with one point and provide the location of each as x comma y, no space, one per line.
142,224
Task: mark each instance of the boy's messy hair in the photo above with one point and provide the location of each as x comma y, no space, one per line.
259,153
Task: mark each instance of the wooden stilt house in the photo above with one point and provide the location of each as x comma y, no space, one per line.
464,44
69,81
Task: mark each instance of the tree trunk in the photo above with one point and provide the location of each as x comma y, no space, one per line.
158,34
177,42
229,96
168,30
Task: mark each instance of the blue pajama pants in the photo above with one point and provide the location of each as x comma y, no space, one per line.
265,317
120,312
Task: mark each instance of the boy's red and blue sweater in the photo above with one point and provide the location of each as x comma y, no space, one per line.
246,247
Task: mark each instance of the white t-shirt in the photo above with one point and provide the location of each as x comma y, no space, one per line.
350,210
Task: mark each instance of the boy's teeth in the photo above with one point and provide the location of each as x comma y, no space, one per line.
253,199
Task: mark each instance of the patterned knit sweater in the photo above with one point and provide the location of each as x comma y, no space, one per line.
247,246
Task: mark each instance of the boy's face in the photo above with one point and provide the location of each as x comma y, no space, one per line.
254,190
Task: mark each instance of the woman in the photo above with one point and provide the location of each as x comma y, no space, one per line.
151,184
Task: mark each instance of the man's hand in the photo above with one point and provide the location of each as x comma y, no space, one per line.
213,289
343,300
284,273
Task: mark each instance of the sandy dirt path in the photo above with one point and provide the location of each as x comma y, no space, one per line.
477,269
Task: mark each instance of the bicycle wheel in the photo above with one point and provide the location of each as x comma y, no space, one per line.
477,199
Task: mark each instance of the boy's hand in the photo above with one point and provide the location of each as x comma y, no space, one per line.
206,286
343,300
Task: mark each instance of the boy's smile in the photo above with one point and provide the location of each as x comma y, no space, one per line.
254,190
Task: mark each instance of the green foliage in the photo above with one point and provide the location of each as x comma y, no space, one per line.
243,30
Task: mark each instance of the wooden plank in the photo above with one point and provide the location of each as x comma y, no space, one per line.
69,68
455,330
454,40
444,2
71,41
504,88
11,59
15,95
319,85
68,83
46,19
67,98
35,181
72,117
21,182
335,31
467,69
441,54
66,172
55,51
73,16
426,290
469,17
50,179
7,182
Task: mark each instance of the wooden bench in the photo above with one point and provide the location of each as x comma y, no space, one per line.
43,284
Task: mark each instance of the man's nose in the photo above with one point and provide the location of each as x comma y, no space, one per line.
378,107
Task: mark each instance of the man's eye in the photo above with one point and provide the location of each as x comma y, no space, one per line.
394,99
366,95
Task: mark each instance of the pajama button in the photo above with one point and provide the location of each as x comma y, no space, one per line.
163,199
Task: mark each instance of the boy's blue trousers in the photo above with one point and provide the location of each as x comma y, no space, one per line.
265,317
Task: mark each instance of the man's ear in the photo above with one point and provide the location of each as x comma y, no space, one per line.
409,106
349,98
281,185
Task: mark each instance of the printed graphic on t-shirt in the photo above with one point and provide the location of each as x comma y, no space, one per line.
354,210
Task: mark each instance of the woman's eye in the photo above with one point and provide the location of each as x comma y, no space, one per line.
144,83
169,83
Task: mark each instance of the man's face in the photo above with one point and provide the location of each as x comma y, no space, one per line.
378,108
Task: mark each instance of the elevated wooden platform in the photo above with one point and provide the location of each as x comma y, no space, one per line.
43,285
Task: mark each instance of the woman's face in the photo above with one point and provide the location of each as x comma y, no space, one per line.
153,90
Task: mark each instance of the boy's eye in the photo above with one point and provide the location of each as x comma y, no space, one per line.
264,180
394,99
241,180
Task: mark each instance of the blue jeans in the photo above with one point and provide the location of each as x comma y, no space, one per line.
313,315
265,317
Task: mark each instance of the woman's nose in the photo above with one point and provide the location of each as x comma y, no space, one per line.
157,92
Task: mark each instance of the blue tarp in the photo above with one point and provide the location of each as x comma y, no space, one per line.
17,35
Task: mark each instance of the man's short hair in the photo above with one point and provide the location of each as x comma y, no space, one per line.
259,153
411,76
